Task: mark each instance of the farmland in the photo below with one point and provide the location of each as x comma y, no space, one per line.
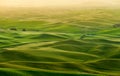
59,42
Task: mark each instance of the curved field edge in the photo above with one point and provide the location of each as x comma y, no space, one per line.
13,72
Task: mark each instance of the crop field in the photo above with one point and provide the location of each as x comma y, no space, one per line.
60,42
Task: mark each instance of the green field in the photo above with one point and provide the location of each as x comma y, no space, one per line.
64,42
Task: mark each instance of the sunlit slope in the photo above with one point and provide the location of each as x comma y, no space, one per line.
53,20
69,43
93,55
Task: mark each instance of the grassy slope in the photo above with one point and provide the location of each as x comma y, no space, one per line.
52,43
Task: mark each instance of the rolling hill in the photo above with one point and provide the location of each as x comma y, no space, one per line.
61,42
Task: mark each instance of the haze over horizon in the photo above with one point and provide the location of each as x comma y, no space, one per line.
60,3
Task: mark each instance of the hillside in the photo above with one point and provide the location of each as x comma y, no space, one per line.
61,42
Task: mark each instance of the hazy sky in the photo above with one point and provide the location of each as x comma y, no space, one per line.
36,3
